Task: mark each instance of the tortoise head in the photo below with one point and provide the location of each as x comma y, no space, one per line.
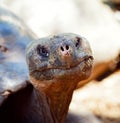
64,57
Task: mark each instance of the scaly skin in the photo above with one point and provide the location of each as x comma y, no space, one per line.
56,65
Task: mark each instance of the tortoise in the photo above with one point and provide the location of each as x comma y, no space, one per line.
38,76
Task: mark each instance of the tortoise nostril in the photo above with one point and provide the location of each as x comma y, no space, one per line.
62,49
67,47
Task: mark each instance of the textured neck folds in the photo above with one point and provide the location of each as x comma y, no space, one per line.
59,96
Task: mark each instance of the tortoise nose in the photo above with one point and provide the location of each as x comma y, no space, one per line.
65,50
66,54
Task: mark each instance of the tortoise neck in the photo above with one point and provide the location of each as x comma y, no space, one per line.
59,95
42,105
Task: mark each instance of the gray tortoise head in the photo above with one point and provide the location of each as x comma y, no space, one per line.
57,58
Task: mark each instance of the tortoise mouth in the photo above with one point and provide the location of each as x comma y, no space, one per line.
87,60
84,65
76,72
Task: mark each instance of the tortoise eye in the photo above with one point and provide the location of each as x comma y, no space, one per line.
78,42
3,49
42,51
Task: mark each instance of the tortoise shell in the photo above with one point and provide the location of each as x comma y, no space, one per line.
14,37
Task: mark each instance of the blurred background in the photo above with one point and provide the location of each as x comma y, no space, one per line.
98,101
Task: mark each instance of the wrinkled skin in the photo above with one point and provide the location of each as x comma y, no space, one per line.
47,63
56,64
